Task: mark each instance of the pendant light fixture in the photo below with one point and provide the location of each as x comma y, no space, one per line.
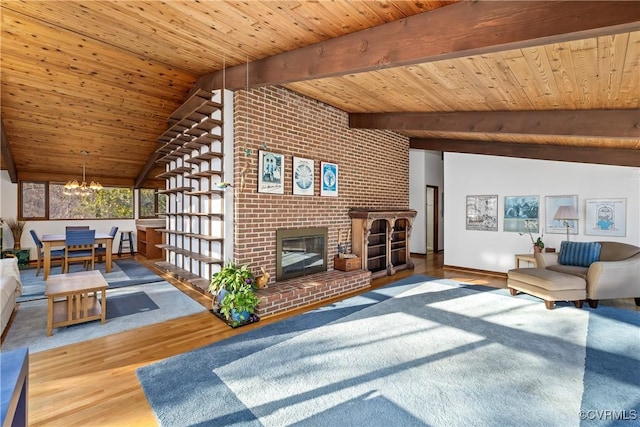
76,189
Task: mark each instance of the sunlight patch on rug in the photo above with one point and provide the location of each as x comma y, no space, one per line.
420,351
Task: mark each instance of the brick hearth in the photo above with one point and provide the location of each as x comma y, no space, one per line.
302,291
289,294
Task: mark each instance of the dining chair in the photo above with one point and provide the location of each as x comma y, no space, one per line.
76,227
57,254
102,251
79,246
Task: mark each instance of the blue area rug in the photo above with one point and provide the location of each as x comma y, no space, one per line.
124,272
417,352
128,308
126,305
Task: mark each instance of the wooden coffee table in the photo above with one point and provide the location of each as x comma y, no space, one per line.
70,299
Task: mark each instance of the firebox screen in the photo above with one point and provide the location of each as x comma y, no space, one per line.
302,255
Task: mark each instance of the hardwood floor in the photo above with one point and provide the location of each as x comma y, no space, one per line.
94,383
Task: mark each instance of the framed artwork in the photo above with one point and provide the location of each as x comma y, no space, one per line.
303,176
521,214
482,213
270,172
557,226
606,217
328,179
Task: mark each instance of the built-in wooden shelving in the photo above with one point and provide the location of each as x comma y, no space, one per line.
174,190
168,231
203,192
175,172
205,237
193,255
191,150
203,214
204,157
204,174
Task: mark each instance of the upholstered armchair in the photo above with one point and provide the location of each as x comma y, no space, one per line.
616,273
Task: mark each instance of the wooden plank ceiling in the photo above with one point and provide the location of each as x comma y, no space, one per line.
509,78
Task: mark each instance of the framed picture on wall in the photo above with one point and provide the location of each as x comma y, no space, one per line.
551,206
270,172
606,217
521,214
328,179
303,176
482,213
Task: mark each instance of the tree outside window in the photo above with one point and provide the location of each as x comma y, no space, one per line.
108,203
34,200
151,203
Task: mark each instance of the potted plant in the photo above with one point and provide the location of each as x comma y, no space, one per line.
538,244
16,227
237,307
233,291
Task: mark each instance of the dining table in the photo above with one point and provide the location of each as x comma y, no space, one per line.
53,240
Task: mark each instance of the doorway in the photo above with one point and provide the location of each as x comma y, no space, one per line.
432,218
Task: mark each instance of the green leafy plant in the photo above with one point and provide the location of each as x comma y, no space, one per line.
236,307
230,278
235,287
539,243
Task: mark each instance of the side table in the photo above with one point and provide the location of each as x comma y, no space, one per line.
70,300
529,258
23,256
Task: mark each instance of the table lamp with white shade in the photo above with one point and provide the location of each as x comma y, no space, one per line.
566,214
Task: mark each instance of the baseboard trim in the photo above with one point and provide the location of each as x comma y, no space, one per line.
474,270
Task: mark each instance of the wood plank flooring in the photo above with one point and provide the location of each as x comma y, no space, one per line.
94,383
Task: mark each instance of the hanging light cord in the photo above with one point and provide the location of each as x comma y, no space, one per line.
74,188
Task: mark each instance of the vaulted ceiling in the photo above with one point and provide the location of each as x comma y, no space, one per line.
552,80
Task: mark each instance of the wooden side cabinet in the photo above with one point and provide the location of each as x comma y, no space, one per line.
380,237
148,238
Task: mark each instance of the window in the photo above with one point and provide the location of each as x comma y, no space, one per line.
151,203
42,200
34,200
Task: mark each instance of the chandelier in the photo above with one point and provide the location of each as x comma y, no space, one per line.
73,188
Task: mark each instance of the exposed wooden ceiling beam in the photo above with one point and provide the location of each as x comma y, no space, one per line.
458,30
591,123
7,157
609,156
146,169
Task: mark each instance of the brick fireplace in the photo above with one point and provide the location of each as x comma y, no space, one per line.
303,277
373,171
373,168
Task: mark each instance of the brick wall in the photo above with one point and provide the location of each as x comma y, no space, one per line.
373,170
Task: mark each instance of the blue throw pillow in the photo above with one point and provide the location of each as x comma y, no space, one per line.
579,253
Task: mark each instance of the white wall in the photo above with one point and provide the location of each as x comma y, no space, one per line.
467,174
425,168
9,209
